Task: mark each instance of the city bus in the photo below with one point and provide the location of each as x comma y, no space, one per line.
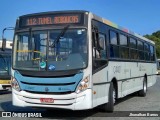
5,66
77,60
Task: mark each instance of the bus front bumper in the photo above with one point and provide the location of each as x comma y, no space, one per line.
71,101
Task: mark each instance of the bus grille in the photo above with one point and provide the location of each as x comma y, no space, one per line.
49,93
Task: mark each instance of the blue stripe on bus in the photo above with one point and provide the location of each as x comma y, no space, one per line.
46,88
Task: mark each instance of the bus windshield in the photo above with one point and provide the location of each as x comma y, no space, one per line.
5,66
51,50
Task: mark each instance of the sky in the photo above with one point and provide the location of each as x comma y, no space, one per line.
140,16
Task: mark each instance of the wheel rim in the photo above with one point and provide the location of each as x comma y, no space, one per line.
114,96
145,86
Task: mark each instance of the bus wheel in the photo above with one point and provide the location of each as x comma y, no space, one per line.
109,107
144,90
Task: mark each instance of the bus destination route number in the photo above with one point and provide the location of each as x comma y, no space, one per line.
52,20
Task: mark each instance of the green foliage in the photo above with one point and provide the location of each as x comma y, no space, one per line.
156,38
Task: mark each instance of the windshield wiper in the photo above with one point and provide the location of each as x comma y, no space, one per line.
60,35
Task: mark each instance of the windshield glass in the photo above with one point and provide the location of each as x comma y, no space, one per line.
52,50
5,65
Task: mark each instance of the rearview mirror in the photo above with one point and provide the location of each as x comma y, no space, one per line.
4,39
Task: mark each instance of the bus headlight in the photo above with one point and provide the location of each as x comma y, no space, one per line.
15,84
83,85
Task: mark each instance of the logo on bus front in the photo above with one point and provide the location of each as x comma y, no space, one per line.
51,67
43,64
46,89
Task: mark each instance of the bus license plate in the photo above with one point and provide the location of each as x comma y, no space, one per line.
47,100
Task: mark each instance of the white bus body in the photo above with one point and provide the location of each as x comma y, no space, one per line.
115,77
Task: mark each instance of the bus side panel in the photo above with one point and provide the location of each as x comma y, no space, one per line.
134,76
117,71
128,83
100,87
152,77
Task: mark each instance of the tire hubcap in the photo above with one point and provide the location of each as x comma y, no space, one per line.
145,86
114,96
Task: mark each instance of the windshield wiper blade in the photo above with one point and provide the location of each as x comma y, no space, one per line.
60,35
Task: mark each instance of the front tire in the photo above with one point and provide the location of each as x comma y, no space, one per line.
109,107
143,92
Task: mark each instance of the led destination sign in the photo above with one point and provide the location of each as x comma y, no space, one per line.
50,20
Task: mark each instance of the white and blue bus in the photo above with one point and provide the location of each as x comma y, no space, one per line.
5,66
77,60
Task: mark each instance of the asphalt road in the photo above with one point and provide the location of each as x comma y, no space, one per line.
130,105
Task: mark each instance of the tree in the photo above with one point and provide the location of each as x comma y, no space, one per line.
156,38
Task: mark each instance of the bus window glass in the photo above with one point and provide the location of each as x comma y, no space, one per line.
140,48
22,52
140,55
102,46
133,43
151,49
147,56
152,53
102,41
124,52
40,43
114,48
47,48
114,51
113,38
140,45
71,45
123,40
146,47
133,54
147,51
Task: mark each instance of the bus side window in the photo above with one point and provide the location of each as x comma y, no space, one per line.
152,55
102,46
99,49
114,48
124,48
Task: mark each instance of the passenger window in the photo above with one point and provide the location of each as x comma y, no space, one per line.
140,45
151,49
133,43
147,52
102,46
140,48
124,50
114,48
113,38
123,40
102,41
146,47
152,53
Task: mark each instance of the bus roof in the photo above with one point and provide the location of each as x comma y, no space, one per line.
55,12
108,22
